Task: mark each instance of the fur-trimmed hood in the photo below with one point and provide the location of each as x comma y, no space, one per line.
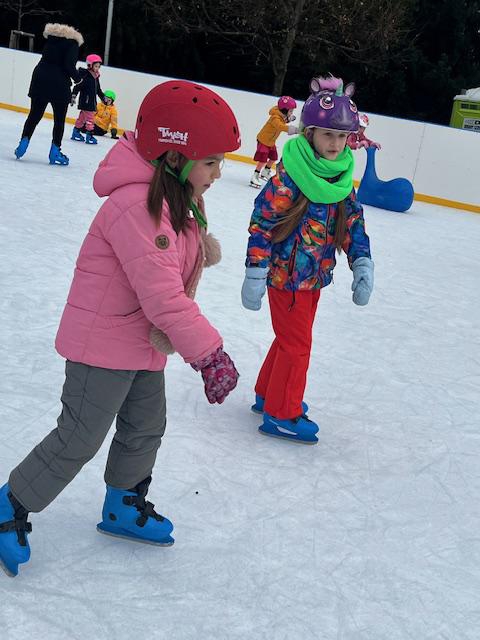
62,31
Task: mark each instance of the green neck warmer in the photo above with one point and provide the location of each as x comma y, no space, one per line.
309,173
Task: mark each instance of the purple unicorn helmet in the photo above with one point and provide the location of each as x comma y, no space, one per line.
330,106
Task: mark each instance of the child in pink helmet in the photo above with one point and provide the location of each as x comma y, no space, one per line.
88,88
358,139
266,154
131,303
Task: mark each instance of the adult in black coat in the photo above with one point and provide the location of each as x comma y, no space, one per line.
51,81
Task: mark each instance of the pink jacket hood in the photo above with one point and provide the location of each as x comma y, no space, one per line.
122,166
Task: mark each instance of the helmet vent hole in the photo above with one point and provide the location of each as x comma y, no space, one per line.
216,101
194,99
235,130
199,88
140,118
175,88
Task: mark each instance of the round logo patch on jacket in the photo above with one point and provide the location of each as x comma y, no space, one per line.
162,242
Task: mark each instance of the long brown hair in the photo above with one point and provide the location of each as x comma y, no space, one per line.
165,186
294,214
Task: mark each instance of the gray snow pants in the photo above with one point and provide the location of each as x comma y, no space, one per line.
91,398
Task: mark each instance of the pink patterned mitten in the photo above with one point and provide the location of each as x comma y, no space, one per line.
219,375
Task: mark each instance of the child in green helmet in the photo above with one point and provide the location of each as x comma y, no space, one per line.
106,116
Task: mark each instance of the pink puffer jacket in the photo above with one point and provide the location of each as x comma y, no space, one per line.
130,276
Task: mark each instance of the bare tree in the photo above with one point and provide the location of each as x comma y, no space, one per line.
367,31
24,8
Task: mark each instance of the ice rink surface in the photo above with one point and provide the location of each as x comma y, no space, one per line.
374,534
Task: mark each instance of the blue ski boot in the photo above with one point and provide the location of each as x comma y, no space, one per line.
299,429
76,135
56,156
22,147
126,514
14,547
90,139
259,402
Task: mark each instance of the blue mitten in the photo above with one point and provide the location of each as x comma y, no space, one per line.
362,284
254,287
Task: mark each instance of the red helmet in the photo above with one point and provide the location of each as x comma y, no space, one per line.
286,102
183,116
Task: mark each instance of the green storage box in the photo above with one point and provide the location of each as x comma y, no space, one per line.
466,110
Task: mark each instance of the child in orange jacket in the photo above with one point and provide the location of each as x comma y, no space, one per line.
106,116
266,153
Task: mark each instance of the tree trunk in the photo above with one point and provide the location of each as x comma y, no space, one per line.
278,80
20,15
280,66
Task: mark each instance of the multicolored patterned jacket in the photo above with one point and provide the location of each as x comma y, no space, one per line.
306,259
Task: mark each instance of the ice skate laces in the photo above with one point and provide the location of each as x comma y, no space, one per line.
19,523
145,508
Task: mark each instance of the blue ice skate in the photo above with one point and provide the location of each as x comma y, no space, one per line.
126,514
14,547
259,402
299,429
89,139
56,156
76,135
22,147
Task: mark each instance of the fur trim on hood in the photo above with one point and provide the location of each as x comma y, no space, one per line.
62,31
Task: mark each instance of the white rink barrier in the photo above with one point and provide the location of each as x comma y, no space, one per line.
441,162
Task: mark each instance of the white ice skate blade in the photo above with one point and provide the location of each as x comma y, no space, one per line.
131,539
274,435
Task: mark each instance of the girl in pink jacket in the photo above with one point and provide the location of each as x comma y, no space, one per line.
130,303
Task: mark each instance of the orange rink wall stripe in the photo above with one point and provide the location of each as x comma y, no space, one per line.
12,107
421,197
235,156
49,116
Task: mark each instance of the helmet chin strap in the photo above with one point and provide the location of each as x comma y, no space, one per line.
185,172
182,179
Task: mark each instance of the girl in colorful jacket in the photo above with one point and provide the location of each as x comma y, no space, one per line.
266,154
133,285
88,88
306,213
106,116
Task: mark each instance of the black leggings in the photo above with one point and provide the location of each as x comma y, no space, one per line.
37,110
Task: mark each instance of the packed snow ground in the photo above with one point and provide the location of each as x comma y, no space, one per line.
374,534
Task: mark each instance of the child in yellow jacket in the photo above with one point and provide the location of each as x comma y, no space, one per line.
266,153
106,116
